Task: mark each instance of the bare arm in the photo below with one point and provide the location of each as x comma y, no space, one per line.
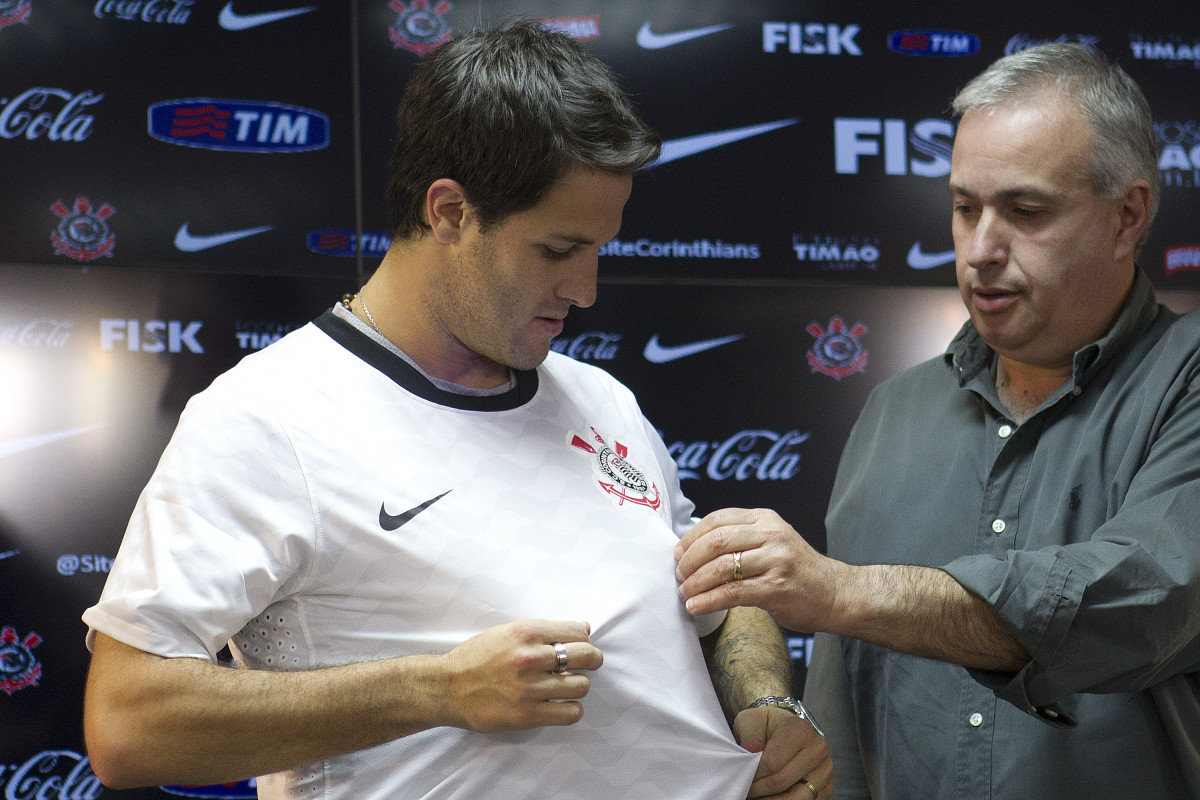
150,720
917,610
747,659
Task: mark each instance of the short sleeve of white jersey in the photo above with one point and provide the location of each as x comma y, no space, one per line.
682,519
221,530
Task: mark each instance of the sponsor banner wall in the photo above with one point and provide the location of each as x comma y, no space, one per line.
185,181
804,141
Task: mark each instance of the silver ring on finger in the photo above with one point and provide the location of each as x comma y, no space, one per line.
810,786
560,658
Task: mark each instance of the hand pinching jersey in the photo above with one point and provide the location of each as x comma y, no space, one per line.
323,503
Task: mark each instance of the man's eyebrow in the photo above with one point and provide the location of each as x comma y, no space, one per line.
1015,193
572,238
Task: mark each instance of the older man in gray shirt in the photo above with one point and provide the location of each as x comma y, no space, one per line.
1011,602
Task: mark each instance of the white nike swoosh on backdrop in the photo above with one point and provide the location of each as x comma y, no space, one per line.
649,40
14,446
232,21
690,145
188,243
920,260
661,354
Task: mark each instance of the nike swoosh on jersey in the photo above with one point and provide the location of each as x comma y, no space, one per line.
186,241
391,522
649,40
232,21
9,554
661,354
920,260
14,446
690,145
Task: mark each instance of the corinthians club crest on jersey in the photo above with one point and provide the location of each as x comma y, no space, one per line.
618,479
83,233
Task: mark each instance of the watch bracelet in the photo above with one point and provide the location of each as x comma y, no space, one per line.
790,704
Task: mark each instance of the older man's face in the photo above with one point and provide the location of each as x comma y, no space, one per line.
1041,264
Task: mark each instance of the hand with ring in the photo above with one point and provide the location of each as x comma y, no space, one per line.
795,755
521,675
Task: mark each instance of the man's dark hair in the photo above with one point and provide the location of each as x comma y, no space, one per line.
507,113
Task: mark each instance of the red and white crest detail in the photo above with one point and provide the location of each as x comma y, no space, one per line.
618,479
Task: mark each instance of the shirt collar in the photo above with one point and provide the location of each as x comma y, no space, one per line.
968,354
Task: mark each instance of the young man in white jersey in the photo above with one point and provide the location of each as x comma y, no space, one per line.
442,555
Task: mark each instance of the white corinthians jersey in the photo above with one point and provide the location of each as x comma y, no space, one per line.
322,503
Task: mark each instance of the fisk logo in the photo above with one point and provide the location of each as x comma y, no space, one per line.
152,336
239,125
863,136
585,29
813,38
933,43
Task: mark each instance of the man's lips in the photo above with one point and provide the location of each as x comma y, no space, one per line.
991,300
552,324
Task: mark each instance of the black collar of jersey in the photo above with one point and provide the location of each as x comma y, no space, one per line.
412,380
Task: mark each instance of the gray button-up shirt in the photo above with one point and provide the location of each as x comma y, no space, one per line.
1081,527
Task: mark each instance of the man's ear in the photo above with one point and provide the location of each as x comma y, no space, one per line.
1134,214
446,209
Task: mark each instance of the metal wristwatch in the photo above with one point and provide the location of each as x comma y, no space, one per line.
791,704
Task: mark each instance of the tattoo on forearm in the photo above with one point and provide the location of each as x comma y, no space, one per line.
748,662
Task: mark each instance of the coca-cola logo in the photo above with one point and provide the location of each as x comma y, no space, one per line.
757,454
1023,41
54,113
40,332
57,774
173,12
588,346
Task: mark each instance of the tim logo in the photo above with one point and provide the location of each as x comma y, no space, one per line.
933,43
83,233
419,28
14,11
342,242
837,351
619,479
18,665
239,125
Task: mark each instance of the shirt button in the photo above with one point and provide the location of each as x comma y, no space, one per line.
975,719
1005,431
998,526
1078,390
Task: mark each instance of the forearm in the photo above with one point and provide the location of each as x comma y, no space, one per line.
924,612
150,720
747,659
